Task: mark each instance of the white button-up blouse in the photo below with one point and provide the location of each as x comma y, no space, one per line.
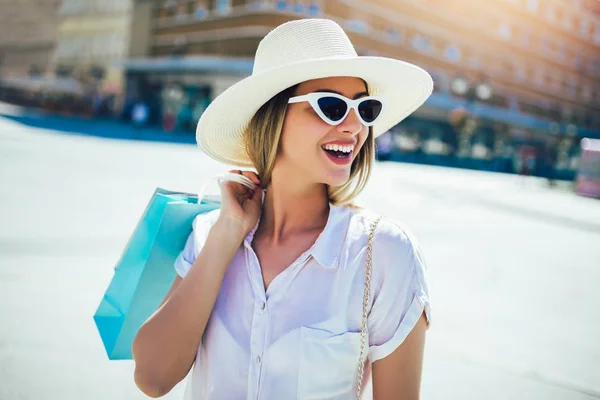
301,338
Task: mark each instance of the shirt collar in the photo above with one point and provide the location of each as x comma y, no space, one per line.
328,247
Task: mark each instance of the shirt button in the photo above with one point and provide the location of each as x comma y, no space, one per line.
263,306
258,359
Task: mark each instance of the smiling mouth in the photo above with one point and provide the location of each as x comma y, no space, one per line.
337,151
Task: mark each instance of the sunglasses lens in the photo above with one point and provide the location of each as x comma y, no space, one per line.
369,110
333,108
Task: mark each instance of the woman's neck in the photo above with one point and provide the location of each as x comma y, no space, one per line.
290,209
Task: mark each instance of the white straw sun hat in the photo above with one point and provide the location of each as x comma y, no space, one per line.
300,51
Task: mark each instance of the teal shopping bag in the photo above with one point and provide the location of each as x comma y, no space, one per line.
145,271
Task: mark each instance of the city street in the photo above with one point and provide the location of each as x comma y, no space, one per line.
514,266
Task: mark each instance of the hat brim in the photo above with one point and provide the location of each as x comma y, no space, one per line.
403,87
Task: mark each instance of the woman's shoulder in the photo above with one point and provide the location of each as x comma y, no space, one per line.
396,251
206,220
388,229
393,241
201,226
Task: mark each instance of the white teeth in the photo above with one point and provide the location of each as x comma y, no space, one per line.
335,147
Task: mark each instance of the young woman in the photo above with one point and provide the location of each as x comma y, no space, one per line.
268,302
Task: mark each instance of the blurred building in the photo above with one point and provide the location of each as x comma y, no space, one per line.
517,81
27,36
92,41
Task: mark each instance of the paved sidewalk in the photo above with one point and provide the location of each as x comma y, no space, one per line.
530,197
104,128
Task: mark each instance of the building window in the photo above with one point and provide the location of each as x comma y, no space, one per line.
281,4
223,6
504,31
392,35
452,53
200,12
297,7
358,25
313,9
421,43
532,5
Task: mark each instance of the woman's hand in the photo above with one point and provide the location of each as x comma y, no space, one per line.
241,205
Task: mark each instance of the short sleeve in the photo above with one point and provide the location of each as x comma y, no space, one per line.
400,289
200,229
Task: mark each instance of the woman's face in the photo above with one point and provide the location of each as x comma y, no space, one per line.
305,135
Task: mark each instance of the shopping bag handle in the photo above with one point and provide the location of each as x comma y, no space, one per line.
228,176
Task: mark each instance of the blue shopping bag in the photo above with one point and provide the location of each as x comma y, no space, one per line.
145,271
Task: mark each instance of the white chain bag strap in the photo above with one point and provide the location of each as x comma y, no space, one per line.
366,296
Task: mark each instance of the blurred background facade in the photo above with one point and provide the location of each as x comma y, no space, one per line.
92,41
27,36
517,82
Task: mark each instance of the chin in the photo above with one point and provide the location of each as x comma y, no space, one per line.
337,178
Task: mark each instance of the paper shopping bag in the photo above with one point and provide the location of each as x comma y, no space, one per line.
145,271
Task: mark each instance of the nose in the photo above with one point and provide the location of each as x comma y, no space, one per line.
351,125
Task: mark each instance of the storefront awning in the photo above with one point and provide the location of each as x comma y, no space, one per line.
447,102
191,64
45,84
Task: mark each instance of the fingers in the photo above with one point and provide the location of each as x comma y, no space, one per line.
253,177
248,174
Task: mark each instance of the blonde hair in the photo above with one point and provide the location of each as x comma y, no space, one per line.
263,135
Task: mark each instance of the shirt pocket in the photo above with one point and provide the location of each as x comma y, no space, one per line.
328,364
